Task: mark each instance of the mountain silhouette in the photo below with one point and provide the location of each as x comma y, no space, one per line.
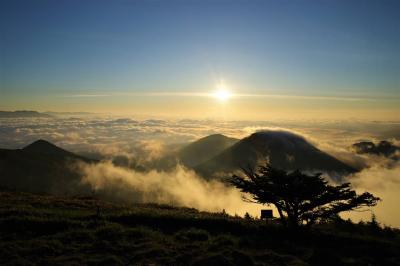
383,148
204,149
22,114
45,167
40,167
281,149
44,147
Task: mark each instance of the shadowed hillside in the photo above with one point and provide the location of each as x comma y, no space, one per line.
41,167
204,149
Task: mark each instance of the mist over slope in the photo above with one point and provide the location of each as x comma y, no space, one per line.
154,155
42,167
204,149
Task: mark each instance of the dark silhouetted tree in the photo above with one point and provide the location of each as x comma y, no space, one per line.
300,199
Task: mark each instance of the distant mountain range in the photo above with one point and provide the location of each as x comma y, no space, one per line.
44,167
48,114
21,114
220,156
281,149
68,113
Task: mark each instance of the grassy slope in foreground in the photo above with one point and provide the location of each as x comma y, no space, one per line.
48,230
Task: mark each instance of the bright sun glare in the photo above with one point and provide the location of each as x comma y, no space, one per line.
222,93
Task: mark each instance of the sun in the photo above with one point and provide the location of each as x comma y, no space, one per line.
222,93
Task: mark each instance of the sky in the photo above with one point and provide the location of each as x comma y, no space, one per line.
292,59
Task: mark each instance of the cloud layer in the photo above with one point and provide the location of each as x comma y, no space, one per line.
382,179
135,142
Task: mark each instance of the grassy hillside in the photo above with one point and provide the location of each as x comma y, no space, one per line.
48,230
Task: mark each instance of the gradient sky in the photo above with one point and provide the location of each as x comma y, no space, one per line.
282,58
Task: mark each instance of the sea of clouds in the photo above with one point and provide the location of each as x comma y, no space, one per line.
145,140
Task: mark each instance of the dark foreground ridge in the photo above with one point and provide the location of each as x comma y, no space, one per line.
48,230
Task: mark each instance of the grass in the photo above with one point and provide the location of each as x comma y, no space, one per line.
49,230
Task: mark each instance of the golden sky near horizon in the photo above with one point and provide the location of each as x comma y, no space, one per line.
217,104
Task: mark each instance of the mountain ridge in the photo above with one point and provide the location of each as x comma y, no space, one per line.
41,167
282,149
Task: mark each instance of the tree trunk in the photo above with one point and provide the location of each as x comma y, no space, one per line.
282,217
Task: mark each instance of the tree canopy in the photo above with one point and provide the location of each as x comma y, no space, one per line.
300,199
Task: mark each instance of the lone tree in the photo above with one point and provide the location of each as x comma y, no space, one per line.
300,199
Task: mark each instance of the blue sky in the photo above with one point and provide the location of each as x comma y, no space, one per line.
51,49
